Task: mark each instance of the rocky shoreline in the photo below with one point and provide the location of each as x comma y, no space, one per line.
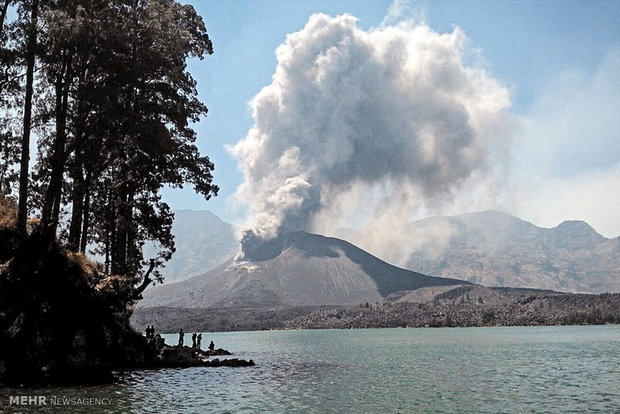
63,322
184,356
604,309
180,356
462,307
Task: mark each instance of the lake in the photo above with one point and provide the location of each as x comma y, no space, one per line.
567,369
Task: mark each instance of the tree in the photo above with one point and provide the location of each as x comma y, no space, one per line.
9,91
4,8
103,88
22,210
114,105
152,101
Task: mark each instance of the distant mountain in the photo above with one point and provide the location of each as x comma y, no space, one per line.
495,249
203,241
488,248
297,269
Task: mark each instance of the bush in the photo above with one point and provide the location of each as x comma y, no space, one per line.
8,211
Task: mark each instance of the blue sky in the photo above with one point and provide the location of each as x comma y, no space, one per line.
559,60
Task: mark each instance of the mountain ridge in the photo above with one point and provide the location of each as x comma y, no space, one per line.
496,249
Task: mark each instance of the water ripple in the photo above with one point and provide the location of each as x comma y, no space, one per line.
481,370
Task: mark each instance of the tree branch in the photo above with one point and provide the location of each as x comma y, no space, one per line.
145,283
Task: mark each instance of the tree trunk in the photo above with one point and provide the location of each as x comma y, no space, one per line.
86,214
22,209
80,188
53,195
77,199
5,8
107,253
110,232
119,250
133,254
77,210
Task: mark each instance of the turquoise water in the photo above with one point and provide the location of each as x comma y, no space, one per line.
572,369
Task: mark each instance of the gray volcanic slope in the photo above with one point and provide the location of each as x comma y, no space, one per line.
306,269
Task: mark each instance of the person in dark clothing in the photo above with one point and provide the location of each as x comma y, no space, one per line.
194,340
211,346
159,341
199,340
181,335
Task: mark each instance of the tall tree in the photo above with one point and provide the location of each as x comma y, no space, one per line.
158,99
119,124
60,75
9,87
22,210
105,88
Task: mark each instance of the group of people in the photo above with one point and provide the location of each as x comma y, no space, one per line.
196,340
153,338
150,332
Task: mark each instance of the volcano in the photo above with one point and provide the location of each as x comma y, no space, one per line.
295,269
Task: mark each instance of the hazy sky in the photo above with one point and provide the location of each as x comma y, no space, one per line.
555,157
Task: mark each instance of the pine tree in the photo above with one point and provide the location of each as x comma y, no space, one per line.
113,104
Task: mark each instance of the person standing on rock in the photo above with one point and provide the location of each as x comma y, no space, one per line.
194,340
181,335
211,346
199,340
159,342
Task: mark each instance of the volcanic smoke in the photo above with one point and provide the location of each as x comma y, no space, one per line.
364,123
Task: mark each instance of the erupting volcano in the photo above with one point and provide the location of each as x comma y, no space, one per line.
293,269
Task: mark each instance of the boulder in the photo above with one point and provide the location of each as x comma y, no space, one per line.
233,362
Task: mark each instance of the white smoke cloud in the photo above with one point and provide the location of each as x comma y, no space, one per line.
401,10
567,161
593,197
368,126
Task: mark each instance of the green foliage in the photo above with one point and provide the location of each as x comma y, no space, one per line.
113,110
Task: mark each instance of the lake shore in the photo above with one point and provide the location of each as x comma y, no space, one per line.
529,309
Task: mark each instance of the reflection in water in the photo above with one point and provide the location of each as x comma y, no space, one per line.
556,369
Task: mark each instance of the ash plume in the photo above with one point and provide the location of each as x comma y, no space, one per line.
365,124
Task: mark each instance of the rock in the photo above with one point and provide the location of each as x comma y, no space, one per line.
180,357
219,351
233,362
